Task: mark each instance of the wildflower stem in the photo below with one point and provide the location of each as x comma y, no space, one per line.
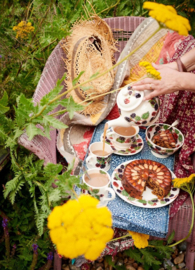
192,223
121,237
75,193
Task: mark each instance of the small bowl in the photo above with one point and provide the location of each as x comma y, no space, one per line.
159,151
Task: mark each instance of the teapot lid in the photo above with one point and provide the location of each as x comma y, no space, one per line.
129,99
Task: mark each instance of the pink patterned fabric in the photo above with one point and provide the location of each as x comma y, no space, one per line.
181,105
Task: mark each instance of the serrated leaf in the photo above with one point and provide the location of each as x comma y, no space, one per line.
53,169
26,103
54,122
75,81
137,118
71,106
11,185
4,99
18,133
3,109
149,258
32,130
134,254
3,135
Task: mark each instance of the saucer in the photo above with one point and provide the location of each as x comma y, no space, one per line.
135,147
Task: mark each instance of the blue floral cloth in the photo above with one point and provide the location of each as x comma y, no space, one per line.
152,221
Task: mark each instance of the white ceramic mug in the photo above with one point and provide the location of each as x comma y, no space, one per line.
102,191
96,160
121,141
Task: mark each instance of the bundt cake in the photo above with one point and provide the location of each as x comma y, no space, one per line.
141,173
164,138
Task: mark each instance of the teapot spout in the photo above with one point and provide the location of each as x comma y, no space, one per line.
121,122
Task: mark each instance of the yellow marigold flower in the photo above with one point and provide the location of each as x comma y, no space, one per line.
151,71
23,29
80,228
140,239
168,16
179,182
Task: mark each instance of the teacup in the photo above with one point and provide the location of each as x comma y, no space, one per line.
97,158
100,182
122,137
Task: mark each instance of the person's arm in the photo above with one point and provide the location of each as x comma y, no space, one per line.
171,81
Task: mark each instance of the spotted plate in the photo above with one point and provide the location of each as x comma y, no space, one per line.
148,200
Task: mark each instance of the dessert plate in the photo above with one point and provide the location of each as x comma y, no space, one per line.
148,200
134,148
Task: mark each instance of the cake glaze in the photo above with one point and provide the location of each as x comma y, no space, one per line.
143,173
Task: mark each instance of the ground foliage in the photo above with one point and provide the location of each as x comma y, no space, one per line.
27,195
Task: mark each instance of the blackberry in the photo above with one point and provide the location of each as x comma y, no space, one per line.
120,175
167,200
134,145
102,166
156,107
174,189
107,140
122,166
148,135
137,95
152,119
155,200
158,148
121,138
119,190
127,119
144,122
171,195
157,128
130,92
133,115
120,170
129,87
139,144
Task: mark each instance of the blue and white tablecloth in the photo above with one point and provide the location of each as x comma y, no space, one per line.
129,217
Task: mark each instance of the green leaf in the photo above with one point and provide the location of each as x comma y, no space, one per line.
180,138
3,103
53,93
142,201
134,254
32,130
171,237
71,106
52,169
145,115
102,172
176,131
165,127
149,258
75,81
109,260
54,122
137,118
11,185
85,88
94,75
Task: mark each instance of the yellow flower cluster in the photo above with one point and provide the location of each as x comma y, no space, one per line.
80,228
23,29
140,239
152,72
168,16
179,182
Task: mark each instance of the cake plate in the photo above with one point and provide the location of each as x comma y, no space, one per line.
148,200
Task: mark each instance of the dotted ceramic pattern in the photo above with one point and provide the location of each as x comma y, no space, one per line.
135,147
152,130
147,201
152,221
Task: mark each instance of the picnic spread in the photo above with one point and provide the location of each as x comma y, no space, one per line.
149,214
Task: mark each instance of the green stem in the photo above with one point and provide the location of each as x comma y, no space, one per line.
98,76
192,223
121,237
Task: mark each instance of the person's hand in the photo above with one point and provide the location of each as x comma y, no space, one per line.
169,83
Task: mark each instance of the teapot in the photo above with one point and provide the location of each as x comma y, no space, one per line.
134,111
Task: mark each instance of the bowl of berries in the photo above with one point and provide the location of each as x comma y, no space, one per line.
163,139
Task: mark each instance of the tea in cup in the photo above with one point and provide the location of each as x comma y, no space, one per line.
99,157
122,137
100,181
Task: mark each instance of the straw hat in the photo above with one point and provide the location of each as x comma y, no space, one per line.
90,48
